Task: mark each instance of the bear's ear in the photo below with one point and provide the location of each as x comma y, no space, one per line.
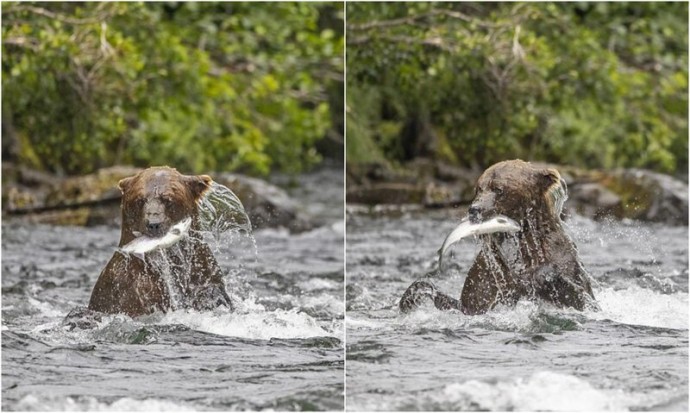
550,177
124,184
199,184
555,190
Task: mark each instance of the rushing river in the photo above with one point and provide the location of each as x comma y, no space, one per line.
282,349
631,355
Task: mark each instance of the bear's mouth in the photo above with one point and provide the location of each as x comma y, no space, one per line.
497,224
485,216
482,217
155,231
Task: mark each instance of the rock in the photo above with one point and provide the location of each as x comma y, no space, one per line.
623,193
386,193
438,196
97,188
594,200
94,199
370,173
651,196
360,174
449,173
441,195
644,195
17,198
420,181
87,200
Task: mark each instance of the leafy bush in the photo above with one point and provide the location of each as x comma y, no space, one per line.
201,86
591,84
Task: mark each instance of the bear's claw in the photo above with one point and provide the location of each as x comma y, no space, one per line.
415,293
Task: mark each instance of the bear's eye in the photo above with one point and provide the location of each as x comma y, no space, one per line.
139,202
498,191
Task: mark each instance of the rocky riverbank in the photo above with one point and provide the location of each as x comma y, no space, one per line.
94,199
601,194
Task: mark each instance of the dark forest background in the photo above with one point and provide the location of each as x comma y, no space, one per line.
595,85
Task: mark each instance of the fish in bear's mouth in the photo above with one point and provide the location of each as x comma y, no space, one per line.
498,223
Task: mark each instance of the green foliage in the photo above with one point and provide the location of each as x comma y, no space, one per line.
590,84
200,86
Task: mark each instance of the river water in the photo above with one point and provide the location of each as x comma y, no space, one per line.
282,349
631,355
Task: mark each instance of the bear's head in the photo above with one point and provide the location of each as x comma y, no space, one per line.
157,198
518,190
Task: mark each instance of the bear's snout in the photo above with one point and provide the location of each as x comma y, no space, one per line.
154,227
483,207
475,214
155,218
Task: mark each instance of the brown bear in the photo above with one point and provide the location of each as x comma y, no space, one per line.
185,275
539,262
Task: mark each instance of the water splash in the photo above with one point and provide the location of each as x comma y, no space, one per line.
525,317
225,226
33,402
164,266
221,210
257,324
658,310
542,391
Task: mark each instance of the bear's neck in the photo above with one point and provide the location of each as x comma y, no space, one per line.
534,245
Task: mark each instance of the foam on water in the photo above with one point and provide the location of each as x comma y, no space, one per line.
314,284
32,402
526,316
641,306
251,320
330,304
542,391
549,391
360,324
258,323
44,308
622,305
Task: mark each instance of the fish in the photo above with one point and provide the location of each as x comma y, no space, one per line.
498,223
143,244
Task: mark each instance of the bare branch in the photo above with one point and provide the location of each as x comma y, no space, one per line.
26,42
433,42
52,15
409,20
386,23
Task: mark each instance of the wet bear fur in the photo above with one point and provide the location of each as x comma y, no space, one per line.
153,201
539,262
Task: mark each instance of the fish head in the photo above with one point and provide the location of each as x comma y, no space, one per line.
181,227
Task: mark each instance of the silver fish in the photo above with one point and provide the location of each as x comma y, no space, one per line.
498,223
143,244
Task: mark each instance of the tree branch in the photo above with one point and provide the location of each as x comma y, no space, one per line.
52,15
381,24
433,42
26,42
